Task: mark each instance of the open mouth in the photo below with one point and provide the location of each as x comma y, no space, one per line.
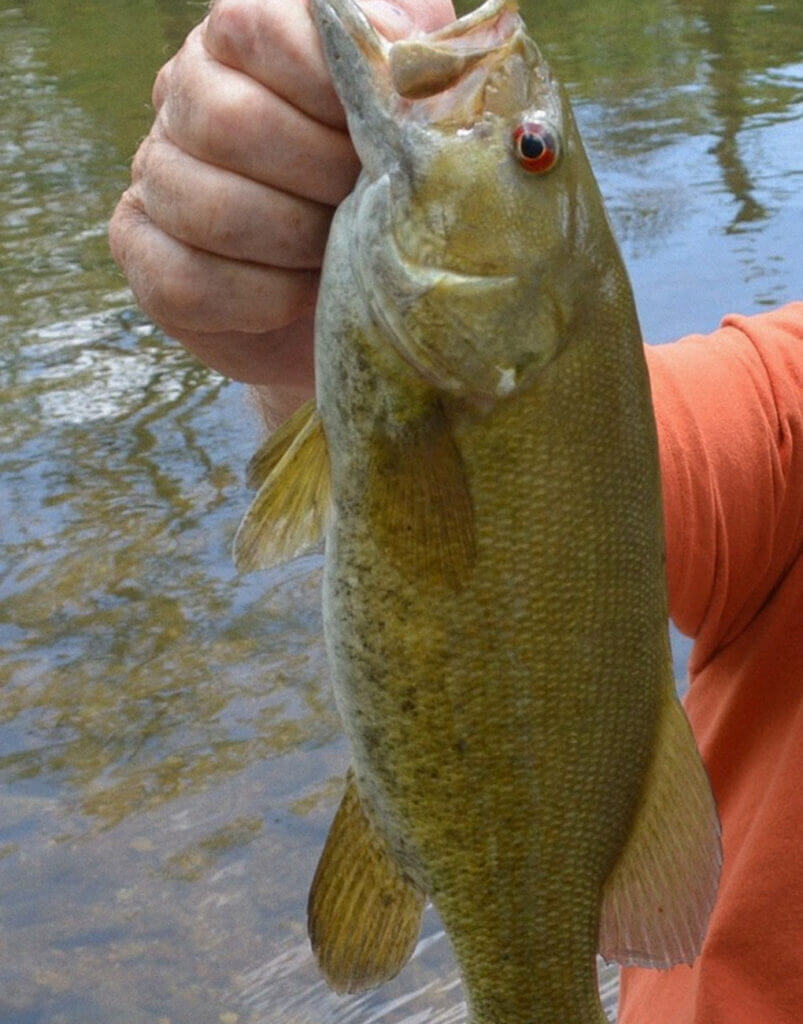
430,64
433,63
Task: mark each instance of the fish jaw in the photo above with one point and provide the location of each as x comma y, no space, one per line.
357,56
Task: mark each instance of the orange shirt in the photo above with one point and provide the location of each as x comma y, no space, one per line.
729,408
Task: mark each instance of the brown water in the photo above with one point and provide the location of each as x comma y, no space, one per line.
169,753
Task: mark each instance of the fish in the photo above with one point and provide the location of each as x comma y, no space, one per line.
481,462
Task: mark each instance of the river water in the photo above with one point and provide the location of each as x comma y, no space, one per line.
169,752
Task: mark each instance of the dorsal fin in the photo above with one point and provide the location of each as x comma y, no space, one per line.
659,896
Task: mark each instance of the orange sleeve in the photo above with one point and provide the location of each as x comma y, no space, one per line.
729,410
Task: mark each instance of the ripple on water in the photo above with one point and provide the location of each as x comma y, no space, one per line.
81,371
286,986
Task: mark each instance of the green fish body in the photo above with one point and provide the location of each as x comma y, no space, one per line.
483,462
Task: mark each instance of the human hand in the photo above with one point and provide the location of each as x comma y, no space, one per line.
222,231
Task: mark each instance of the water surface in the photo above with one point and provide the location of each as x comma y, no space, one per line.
169,753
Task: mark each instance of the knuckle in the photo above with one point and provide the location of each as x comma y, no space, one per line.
220,123
171,292
302,234
176,295
161,83
140,162
231,29
181,81
279,27
124,223
222,226
198,117
117,235
295,300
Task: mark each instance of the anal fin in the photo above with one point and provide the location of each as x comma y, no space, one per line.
364,914
287,517
659,896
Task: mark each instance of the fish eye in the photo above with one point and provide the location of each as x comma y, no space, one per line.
535,144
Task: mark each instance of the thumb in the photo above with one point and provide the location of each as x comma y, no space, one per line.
395,20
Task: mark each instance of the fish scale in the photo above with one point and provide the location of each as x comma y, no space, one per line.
494,596
500,680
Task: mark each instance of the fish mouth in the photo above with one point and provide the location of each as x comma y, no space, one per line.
428,65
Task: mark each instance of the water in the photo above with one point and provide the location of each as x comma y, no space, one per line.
169,753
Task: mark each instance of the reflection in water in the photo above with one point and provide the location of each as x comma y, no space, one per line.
169,753
730,102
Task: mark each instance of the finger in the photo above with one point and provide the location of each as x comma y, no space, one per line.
224,213
222,116
280,362
392,20
192,291
426,14
275,42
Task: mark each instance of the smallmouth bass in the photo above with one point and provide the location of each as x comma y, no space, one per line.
482,461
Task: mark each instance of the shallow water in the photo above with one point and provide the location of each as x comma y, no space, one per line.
169,753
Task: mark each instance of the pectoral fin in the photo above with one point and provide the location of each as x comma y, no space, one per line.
270,453
287,516
364,915
659,896
421,511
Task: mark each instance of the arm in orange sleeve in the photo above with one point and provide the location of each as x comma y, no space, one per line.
729,411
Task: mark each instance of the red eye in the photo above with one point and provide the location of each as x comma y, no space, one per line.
536,146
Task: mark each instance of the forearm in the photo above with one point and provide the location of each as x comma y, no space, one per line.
729,409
